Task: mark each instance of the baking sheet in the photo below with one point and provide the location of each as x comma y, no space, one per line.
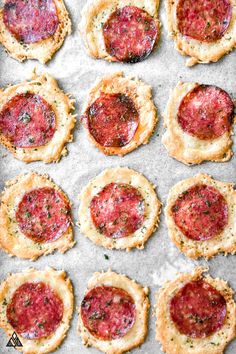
160,260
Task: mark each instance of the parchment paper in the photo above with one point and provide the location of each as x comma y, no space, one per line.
160,260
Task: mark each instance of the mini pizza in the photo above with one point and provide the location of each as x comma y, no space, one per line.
199,120
38,306
196,314
119,209
119,114
113,316
33,29
201,216
205,30
36,119
34,217
120,30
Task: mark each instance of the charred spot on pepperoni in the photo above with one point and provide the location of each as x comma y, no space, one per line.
201,212
30,21
43,214
198,309
206,112
118,210
108,312
204,20
27,121
130,34
112,119
35,310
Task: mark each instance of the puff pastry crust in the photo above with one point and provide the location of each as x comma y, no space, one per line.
95,13
12,240
138,332
58,281
152,208
200,52
141,95
173,342
42,50
225,242
61,103
184,147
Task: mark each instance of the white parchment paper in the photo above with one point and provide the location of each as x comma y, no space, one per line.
160,260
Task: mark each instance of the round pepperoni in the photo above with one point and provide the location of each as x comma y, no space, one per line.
35,310
27,121
204,20
201,212
43,214
112,120
130,34
206,112
108,312
198,310
32,20
118,210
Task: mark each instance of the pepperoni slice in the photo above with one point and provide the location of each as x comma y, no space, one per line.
201,212
204,20
108,312
35,310
32,20
198,310
112,120
130,34
43,214
206,112
27,121
118,210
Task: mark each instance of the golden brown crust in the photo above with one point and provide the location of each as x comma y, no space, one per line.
152,208
58,281
47,87
12,240
184,147
141,95
225,241
173,342
42,50
200,52
96,12
138,332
